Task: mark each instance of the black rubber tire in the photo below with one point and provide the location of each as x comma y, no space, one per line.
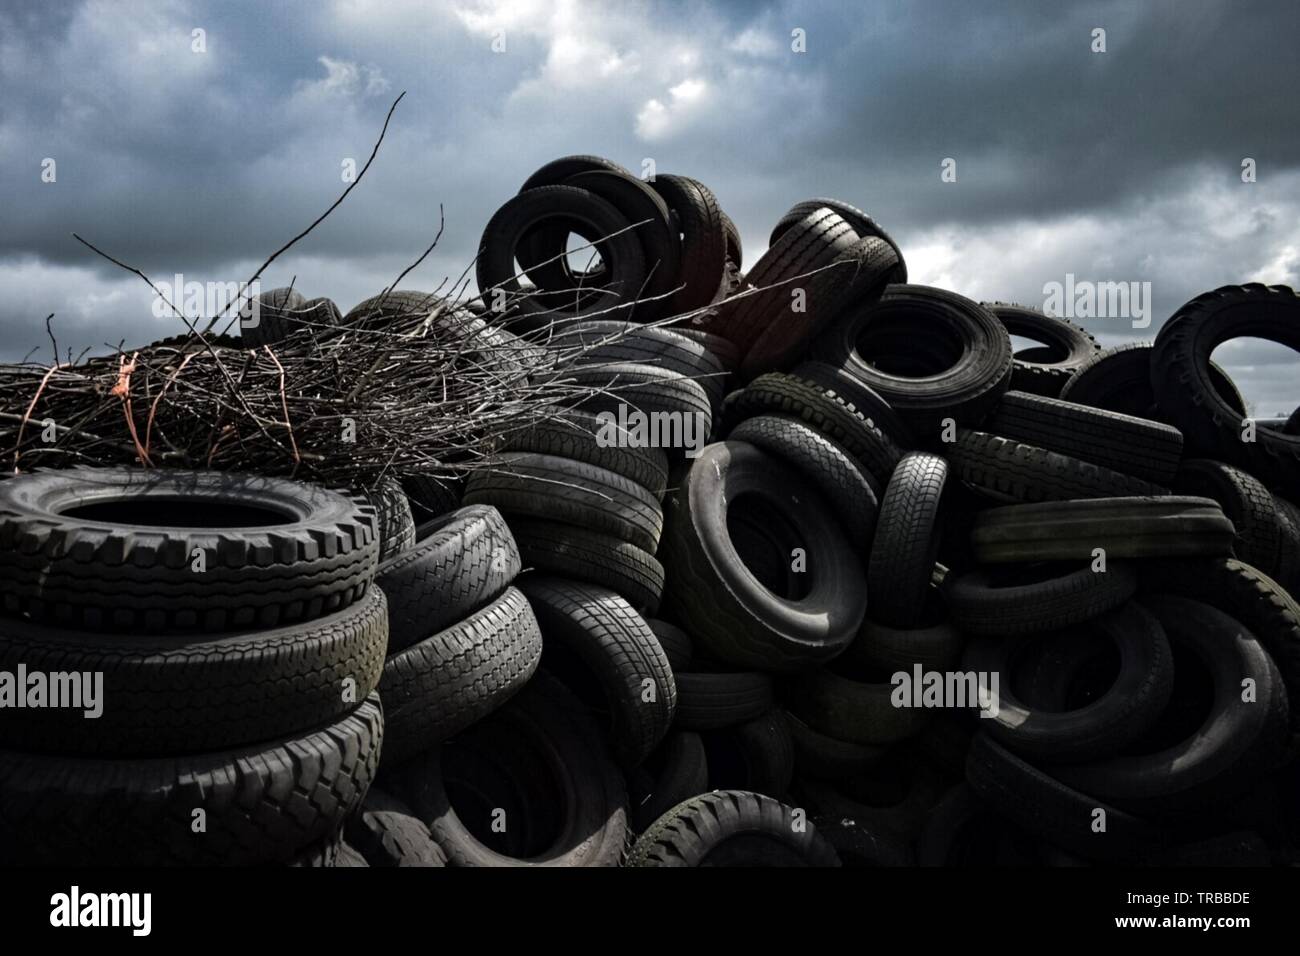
1053,810
984,603
459,562
101,574
894,798
708,700
1235,746
396,523
593,628
1245,594
580,555
718,599
1119,380
550,732
829,412
823,757
862,224
1008,470
572,492
1066,348
735,251
675,642
618,284
860,395
855,278
906,543
1247,503
281,312
703,241
853,711
392,305
575,434
604,343
446,682
926,385
1106,724
757,755
431,497
1133,446
1185,388
1167,527
683,773
824,463
723,350
646,388
261,804
1288,560
794,262
387,833
166,696
935,646
732,828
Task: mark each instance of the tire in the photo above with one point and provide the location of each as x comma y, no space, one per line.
906,543
989,604
386,833
619,283
620,388
1134,446
1185,387
757,755
936,647
931,354
1231,750
823,463
1011,471
720,348
1066,348
893,799
1246,502
394,305
796,261
96,572
731,828
275,320
735,251
396,523
559,489
551,739
822,757
853,711
446,682
1124,527
266,803
1247,595
591,557
596,343
1288,529
1119,380
574,434
713,700
675,642
431,497
459,563
167,696
591,629
703,241
858,394
1052,810
825,410
739,618
1108,723
862,224
683,773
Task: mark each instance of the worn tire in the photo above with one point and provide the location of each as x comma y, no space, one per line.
1247,503
575,434
580,555
708,700
906,542
96,572
1011,471
386,833
862,224
1066,347
984,603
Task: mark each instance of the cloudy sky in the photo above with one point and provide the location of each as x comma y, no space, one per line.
1115,166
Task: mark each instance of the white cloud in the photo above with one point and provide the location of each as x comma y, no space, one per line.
687,101
345,78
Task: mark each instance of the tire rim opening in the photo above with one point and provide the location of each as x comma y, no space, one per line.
888,340
765,540
159,512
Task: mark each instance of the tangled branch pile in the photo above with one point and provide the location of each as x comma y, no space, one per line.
429,389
